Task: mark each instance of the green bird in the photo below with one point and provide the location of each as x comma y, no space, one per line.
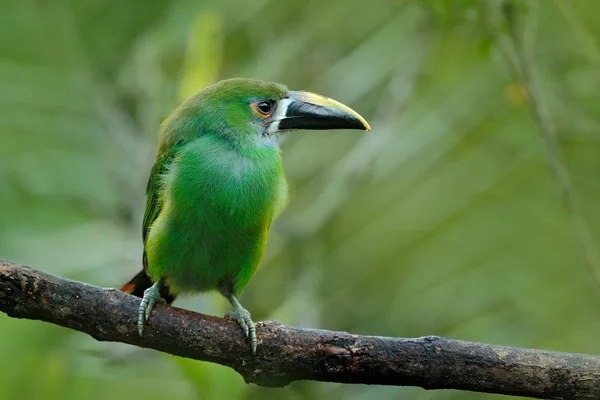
216,185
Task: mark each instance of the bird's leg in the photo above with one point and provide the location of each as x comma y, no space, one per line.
242,316
151,296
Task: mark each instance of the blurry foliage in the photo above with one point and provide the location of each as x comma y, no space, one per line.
445,220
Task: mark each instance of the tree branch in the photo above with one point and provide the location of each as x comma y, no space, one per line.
286,353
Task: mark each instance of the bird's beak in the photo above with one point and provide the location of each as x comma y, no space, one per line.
305,110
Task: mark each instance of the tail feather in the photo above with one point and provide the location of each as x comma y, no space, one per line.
141,282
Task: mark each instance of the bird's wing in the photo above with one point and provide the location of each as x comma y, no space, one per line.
154,200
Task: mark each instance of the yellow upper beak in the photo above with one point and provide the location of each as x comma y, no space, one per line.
306,110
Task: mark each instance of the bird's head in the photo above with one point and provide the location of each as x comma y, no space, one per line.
251,112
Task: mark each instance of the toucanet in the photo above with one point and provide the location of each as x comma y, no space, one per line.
216,185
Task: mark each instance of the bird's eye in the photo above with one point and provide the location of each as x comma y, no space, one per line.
263,108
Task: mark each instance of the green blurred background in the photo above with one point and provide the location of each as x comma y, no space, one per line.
471,210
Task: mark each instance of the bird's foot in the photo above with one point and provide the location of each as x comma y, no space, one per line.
242,316
151,296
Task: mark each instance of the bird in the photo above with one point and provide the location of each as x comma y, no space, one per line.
216,185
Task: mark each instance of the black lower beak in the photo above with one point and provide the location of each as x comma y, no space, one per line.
305,110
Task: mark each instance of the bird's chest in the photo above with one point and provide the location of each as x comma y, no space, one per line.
226,188
243,192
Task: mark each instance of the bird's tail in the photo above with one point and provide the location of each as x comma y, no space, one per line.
141,282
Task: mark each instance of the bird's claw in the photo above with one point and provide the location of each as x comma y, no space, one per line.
151,296
242,317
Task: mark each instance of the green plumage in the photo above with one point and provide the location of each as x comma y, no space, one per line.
216,185
213,192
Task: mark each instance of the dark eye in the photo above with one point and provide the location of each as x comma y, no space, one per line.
265,107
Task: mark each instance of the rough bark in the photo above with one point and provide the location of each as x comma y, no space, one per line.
286,353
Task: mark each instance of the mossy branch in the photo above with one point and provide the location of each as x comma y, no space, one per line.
287,354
